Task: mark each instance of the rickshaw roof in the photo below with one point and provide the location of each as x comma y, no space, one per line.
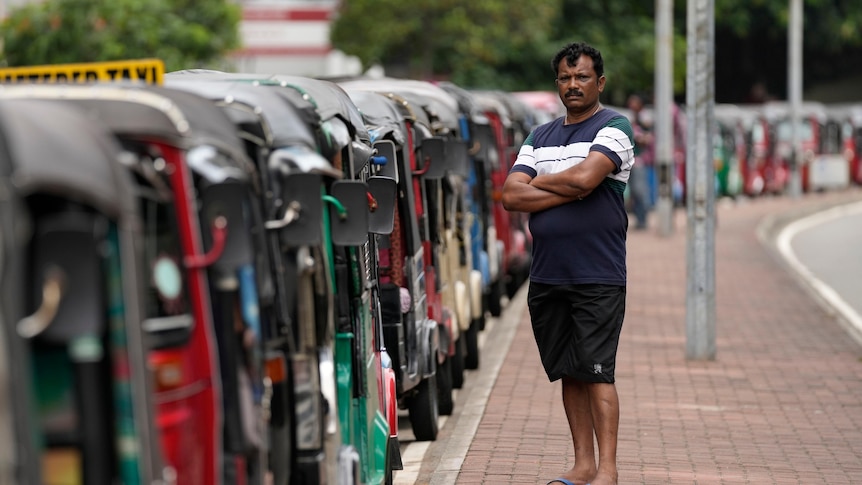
851,112
330,100
142,111
733,113
287,124
777,110
437,103
467,101
547,102
302,104
56,148
405,107
518,110
381,114
491,103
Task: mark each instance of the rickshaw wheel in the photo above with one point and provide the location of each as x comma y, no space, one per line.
445,404
495,303
423,410
458,363
471,338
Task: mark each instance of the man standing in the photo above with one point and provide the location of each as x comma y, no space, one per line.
570,176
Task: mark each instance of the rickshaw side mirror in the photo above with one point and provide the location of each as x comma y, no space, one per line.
457,152
382,192
228,200
66,283
432,152
361,154
487,152
299,222
386,151
348,212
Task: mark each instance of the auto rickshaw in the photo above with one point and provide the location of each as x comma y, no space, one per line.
837,165
345,141
388,126
425,335
812,119
727,148
521,121
191,179
77,403
753,142
487,249
278,126
449,218
513,258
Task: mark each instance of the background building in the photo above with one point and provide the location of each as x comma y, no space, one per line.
291,37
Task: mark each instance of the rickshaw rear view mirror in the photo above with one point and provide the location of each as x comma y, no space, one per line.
361,154
299,220
457,152
386,153
67,280
348,212
487,145
382,192
228,200
433,158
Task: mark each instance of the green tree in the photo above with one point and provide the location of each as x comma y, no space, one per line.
180,32
499,44
751,44
507,45
466,41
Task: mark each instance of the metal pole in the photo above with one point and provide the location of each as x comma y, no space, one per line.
794,80
700,181
663,124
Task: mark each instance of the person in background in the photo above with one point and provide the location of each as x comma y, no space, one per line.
570,176
639,189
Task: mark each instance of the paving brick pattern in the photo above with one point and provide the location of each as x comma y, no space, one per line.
780,404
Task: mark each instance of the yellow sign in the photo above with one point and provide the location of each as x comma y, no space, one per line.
149,71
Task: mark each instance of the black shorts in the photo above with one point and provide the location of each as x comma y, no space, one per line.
577,329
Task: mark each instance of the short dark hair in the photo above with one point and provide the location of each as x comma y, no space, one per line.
571,52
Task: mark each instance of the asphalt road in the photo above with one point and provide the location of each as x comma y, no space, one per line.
825,249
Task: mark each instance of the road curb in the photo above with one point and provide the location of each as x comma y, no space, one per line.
775,233
473,397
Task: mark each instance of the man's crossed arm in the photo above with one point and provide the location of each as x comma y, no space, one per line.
521,193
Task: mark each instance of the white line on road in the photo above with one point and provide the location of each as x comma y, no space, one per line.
851,320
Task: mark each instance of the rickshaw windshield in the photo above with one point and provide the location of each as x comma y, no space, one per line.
784,130
167,312
302,159
214,166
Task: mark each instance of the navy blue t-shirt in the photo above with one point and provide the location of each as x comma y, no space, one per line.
583,241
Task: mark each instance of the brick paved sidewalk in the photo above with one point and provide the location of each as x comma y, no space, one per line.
781,404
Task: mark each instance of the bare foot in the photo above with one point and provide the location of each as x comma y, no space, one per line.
575,482
577,476
603,478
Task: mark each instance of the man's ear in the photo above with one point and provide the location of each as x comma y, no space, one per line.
601,83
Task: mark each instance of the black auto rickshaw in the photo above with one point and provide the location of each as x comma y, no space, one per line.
77,395
191,185
292,130
279,127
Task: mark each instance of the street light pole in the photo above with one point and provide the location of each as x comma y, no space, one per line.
663,123
700,181
794,81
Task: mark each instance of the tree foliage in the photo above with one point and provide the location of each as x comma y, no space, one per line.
461,40
508,45
183,33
